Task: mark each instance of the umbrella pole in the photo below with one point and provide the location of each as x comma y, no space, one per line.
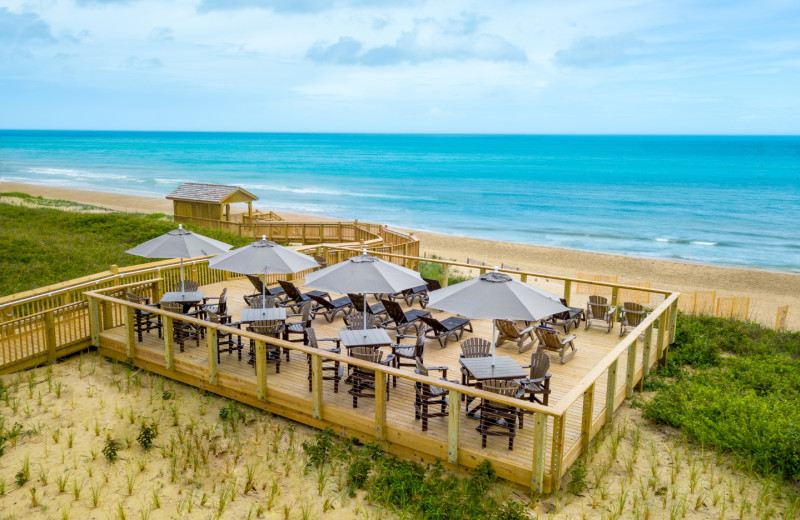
365,314
182,287
264,289
493,342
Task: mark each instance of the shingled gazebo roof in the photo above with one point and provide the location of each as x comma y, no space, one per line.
214,193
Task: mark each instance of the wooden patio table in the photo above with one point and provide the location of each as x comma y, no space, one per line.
481,369
274,313
185,298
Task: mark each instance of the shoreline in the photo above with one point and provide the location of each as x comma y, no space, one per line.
767,290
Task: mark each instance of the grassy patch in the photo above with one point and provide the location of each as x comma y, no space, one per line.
434,271
42,246
735,386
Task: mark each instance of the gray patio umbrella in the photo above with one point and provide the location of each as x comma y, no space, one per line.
263,257
364,274
179,243
496,296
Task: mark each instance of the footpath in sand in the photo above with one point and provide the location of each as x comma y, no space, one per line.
767,290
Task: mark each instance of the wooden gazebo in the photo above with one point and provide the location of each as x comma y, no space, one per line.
206,201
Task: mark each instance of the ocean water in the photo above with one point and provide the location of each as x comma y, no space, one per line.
723,200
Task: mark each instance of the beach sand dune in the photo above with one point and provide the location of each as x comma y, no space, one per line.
767,290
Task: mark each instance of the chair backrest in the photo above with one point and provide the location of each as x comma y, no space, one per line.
475,348
501,386
223,305
188,285
257,302
305,313
290,289
540,364
634,313
356,321
421,369
321,301
374,355
175,307
267,327
548,337
598,306
357,300
312,338
256,281
433,285
433,323
133,298
213,317
321,260
507,328
394,311
563,302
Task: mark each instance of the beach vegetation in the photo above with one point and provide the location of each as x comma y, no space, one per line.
147,432
111,448
433,270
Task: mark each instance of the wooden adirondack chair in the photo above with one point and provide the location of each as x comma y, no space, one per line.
631,315
599,310
549,339
507,331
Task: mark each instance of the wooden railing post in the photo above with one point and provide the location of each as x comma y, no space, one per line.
567,290
380,405
557,453
630,369
663,325
611,391
213,352
445,274
405,254
130,333
169,342
50,335
316,386
539,436
453,426
523,278
586,418
673,321
648,340
108,318
261,369
94,321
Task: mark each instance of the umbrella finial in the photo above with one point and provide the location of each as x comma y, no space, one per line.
364,250
495,269
180,226
264,238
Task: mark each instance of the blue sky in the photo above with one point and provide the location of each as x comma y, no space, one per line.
508,66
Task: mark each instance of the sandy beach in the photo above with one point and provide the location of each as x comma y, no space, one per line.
767,290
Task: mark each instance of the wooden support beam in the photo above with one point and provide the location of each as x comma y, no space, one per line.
380,405
611,390
630,369
539,445
663,325
130,333
557,452
673,320
213,352
453,426
50,335
523,278
94,321
316,386
261,369
586,418
648,341
169,342
567,290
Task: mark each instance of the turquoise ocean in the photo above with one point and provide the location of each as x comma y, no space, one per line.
722,200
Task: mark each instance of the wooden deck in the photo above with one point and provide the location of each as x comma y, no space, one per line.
288,393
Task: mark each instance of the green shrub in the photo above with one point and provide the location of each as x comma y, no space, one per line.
110,449
147,432
319,451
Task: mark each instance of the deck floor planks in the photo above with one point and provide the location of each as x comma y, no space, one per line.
593,346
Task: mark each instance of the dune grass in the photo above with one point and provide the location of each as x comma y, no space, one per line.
43,245
734,386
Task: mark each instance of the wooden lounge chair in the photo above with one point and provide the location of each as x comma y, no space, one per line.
631,315
549,339
216,304
363,379
498,419
507,331
301,326
569,318
537,384
358,306
226,341
599,310
275,291
330,309
444,330
433,285
329,366
144,321
273,328
428,395
182,331
409,295
294,298
400,321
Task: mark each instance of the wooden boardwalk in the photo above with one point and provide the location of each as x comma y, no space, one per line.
288,393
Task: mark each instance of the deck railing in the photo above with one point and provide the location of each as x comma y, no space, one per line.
30,335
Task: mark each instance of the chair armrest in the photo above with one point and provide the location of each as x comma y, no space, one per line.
388,360
338,341
528,329
529,380
568,338
439,368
